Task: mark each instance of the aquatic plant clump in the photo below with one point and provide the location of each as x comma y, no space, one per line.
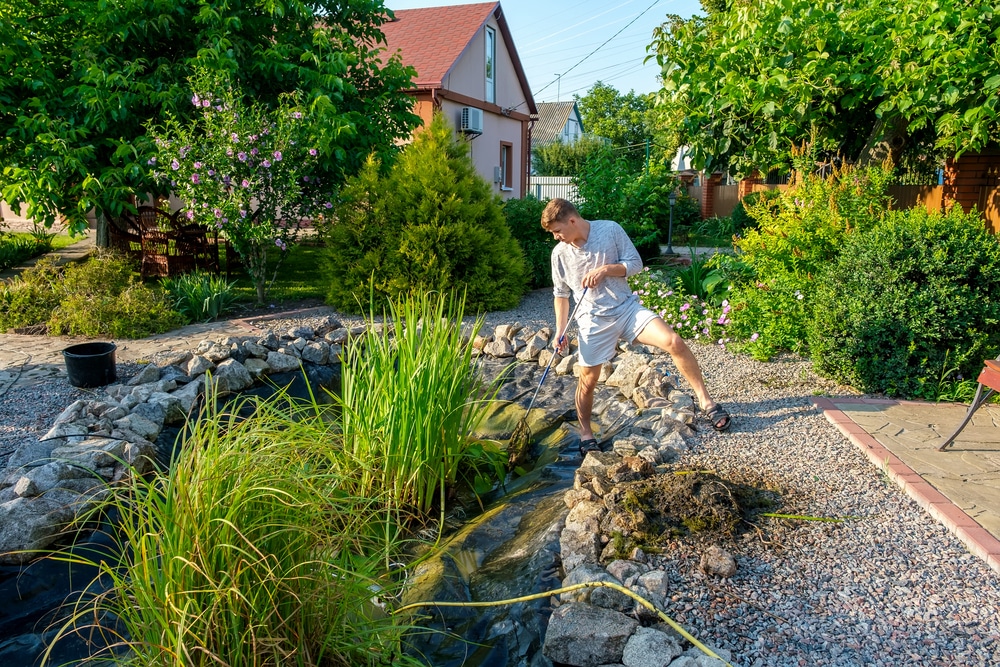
249,551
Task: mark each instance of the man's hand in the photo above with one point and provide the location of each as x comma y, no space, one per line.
561,345
595,276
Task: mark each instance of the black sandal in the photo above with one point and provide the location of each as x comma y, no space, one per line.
589,445
718,417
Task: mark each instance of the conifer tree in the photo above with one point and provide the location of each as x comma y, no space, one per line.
429,223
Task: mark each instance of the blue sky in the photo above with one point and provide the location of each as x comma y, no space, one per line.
565,37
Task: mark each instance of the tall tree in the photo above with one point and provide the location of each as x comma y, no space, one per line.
82,80
866,80
619,118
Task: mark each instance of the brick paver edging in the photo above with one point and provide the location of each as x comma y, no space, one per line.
977,539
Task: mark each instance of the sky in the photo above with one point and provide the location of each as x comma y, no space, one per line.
566,46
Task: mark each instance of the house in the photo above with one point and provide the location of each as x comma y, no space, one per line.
467,68
557,121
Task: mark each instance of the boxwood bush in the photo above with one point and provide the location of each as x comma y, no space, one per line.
908,301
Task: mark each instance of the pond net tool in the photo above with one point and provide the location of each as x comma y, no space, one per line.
521,437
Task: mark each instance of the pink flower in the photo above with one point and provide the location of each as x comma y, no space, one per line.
242,156
190,215
195,101
197,165
277,156
754,337
266,164
313,151
245,183
195,179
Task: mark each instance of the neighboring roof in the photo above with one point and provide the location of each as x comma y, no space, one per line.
432,39
552,117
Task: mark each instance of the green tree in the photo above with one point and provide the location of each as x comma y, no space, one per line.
81,80
564,159
430,223
619,118
866,80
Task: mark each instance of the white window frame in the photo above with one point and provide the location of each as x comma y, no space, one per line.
491,65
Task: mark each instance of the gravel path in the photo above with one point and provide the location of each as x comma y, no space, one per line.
886,587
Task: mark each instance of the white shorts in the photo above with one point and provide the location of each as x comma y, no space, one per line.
600,336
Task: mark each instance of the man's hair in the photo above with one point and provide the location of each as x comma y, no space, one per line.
557,210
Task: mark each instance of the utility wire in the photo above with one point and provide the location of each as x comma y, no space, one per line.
580,62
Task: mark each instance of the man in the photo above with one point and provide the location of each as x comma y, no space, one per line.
599,256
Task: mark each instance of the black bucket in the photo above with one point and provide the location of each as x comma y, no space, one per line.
90,364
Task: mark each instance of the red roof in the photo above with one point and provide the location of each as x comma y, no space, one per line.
432,38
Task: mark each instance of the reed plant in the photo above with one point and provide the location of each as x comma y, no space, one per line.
410,403
250,551
201,296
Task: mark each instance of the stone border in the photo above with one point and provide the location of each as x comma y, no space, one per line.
51,480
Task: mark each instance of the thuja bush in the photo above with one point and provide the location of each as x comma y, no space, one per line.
911,300
428,223
524,220
797,238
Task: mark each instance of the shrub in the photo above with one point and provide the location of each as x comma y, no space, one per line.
638,201
16,248
99,297
915,296
763,203
200,296
429,224
796,240
30,298
524,220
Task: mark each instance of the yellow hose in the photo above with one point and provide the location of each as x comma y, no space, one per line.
575,587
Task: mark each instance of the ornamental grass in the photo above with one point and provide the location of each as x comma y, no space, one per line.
251,550
410,404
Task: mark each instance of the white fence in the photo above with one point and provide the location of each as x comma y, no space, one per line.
548,187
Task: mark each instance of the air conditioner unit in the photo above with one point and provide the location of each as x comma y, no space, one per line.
472,120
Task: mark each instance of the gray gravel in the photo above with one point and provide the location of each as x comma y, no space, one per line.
887,587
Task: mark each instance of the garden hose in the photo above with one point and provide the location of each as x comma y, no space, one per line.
575,587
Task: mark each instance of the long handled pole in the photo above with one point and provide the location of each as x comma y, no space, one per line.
562,336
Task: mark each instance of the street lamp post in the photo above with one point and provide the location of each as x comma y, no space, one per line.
670,225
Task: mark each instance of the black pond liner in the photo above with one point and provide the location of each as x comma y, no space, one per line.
34,594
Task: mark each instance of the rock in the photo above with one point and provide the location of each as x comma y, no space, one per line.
197,365
257,368
173,410
601,596
586,636
317,352
282,363
230,376
149,373
628,372
578,547
30,524
717,562
501,348
648,647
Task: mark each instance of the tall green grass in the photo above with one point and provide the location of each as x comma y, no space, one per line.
251,551
409,403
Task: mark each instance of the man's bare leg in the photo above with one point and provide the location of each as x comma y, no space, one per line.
659,333
585,386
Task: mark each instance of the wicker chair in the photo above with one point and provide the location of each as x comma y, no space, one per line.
124,236
170,248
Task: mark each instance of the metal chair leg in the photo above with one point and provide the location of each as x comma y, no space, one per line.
977,402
